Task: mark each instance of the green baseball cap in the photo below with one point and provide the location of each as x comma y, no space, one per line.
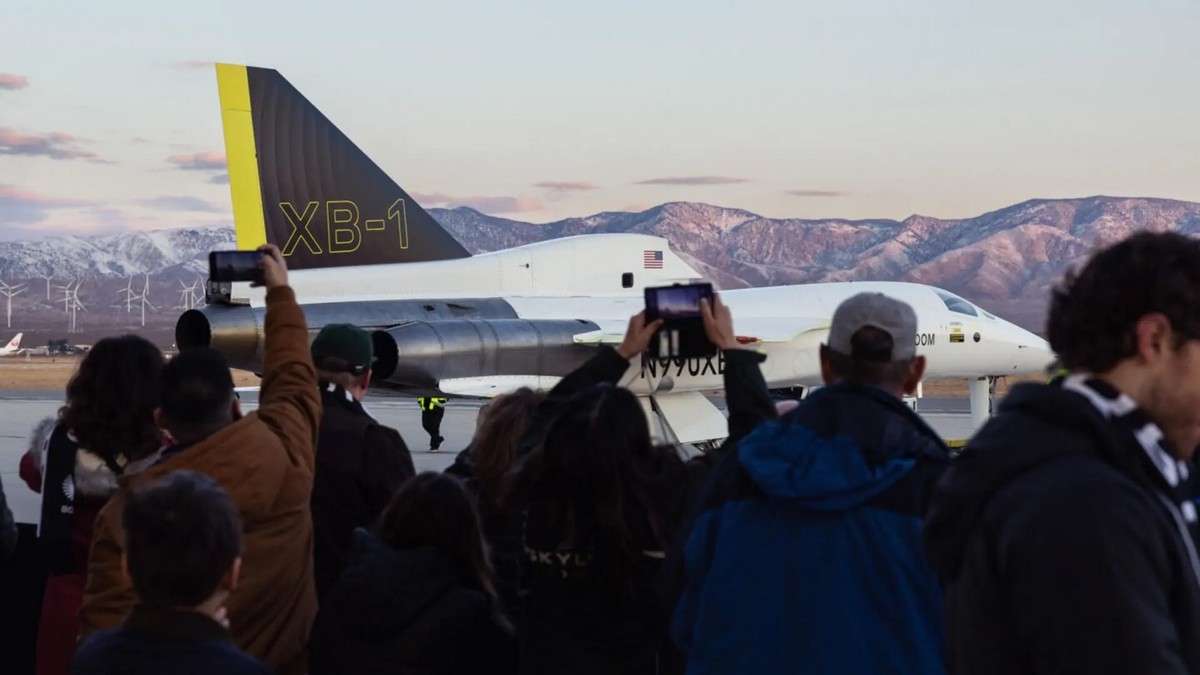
345,342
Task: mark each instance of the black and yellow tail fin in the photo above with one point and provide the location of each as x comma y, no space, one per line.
301,184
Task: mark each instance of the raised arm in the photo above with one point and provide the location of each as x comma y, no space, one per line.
289,400
608,365
746,394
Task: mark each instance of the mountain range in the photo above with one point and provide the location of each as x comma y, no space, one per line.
1005,260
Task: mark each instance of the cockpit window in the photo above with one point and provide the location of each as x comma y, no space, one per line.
957,304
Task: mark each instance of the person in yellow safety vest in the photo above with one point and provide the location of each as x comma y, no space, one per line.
1057,372
432,411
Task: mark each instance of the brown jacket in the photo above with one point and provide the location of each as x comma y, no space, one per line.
265,461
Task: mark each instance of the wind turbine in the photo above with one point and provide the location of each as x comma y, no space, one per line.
142,298
71,304
8,292
76,304
48,278
66,295
129,295
187,297
197,291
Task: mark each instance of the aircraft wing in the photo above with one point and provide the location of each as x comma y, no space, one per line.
488,387
751,329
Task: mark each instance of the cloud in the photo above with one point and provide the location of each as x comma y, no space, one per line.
26,207
817,193
179,203
694,180
192,65
213,160
55,145
12,82
482,204
635,208
219,179
566,186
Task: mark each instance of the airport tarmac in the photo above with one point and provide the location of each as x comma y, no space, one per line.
21,410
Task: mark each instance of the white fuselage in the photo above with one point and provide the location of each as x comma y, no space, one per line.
585,277
13,347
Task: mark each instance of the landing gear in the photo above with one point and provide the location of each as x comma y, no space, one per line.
983,396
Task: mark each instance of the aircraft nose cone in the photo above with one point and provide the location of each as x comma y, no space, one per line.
1033,354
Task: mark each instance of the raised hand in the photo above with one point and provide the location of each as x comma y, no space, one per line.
638,335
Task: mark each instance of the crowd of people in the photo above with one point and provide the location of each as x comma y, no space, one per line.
836,534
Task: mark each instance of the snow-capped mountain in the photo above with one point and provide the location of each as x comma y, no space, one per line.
179,251
1005,260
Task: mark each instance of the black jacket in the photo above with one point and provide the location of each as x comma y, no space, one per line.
154,641
406,611
1060,549
570,621
360,464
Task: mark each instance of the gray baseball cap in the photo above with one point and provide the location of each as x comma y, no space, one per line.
874,310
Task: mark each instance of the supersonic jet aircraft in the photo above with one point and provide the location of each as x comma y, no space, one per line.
360,250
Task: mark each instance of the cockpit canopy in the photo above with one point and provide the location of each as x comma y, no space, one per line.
959,306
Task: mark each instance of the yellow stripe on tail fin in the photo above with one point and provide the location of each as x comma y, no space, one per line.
240,156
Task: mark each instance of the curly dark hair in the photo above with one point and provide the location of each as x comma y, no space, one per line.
1094,312
495,444
592,483
112,397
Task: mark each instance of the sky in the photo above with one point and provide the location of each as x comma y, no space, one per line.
540,110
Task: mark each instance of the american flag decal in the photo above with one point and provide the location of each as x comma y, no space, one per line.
652,260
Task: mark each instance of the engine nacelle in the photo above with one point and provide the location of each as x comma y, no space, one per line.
417,343
419,355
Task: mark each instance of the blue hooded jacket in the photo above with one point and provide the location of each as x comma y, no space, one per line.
806,555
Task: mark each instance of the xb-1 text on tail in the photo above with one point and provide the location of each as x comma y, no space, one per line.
298,182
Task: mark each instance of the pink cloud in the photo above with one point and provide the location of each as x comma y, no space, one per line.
482,203
55,145
566,186
94,219
12,192
694,180
816,193
12,82
20,207
213,160
180,203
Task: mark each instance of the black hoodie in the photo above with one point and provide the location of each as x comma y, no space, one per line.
1060,548
406,611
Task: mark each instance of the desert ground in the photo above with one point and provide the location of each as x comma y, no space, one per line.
50,373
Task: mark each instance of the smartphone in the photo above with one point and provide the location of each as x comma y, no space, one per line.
227,266
682,333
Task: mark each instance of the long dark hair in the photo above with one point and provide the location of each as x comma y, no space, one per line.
495,442
111,399
591,481
432,509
